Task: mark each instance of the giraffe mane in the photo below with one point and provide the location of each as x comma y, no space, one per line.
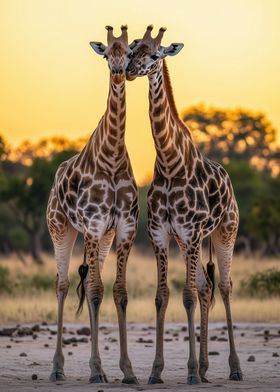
171,100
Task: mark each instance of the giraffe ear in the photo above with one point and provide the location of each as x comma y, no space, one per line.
171,50
98,47
134,43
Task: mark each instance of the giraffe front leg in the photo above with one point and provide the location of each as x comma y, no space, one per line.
94,294
190,301
161,302
124,239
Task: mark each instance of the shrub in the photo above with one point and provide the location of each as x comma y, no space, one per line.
5,281
261,284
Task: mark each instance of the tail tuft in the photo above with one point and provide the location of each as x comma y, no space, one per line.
211,273
83,270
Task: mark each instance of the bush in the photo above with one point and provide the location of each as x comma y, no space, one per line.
261,284
5,281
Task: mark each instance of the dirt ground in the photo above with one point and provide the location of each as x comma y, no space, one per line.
24,356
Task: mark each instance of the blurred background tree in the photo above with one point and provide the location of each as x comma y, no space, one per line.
243,141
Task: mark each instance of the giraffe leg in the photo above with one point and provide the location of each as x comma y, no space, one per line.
204,295
63,250
224,251
161,302
94,294
124,239
190,301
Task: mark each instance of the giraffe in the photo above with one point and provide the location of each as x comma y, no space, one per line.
190,198
95,193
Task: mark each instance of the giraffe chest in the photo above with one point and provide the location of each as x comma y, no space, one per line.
97,200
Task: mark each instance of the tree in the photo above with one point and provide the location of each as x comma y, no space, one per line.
264,217
26,197
223,135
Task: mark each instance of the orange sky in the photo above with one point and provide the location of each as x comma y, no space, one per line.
52,83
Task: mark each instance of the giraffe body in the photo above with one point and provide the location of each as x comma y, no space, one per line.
95,193
190,198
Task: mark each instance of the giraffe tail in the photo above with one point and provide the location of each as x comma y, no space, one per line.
211,273
83,270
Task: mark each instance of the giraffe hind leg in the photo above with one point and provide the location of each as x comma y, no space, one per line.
223,242
204,287
63,250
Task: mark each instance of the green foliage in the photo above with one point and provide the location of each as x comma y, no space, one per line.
224,135
41,282
262,284
178,284
5,281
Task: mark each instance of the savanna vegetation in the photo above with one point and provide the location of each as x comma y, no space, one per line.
244,142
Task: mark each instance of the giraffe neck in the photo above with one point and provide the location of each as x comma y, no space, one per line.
172,138
109,144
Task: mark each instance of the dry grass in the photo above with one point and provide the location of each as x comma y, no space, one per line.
141,281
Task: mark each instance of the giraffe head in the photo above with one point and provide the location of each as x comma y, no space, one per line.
148,54
117,53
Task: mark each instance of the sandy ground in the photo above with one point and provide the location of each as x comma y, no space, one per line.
263,374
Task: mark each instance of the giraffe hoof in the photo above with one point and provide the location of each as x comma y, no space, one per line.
57,375
130,380
236,375
193,379
98,379
155,380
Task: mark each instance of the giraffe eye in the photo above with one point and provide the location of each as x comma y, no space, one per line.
154,57
105,56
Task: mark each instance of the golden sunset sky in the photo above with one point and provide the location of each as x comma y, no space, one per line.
52,83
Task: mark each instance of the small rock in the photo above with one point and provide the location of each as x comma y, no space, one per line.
242,334
24,331
275,355
23,355
141,340
198,338
44,323
8,346
213,353
84,331
50,338
53,332
34,336
186,338
46,345
266,332
213,337
184,329
74,345
70,353
100,390
222,332
7,331
168,340
198,327
251,358
34,377
106,348
175,334
36,328
222,340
